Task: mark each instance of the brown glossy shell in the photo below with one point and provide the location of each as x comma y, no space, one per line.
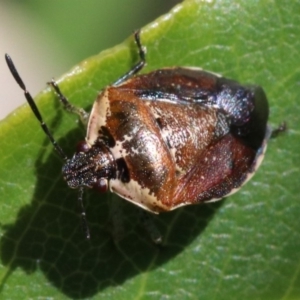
174,151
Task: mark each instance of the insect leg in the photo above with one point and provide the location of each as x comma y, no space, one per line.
84,116
281,128
33,106
150,227
136,68
116,217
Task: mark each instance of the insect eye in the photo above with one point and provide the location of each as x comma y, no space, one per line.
82,146
101,185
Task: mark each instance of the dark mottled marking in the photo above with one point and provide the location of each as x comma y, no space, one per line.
123,170
107,137
159,122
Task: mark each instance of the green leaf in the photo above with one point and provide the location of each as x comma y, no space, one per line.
244,247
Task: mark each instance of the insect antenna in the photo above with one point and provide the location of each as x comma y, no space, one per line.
45,128
33,106
84,223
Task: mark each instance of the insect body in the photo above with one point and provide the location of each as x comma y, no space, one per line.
172,137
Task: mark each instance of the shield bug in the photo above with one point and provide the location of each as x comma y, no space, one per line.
173,137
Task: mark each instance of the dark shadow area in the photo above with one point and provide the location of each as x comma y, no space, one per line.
47,235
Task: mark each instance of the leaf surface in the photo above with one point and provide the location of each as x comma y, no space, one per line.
244,247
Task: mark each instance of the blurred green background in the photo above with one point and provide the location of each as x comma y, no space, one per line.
47,38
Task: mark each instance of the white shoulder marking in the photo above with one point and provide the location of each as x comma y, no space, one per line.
100,110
